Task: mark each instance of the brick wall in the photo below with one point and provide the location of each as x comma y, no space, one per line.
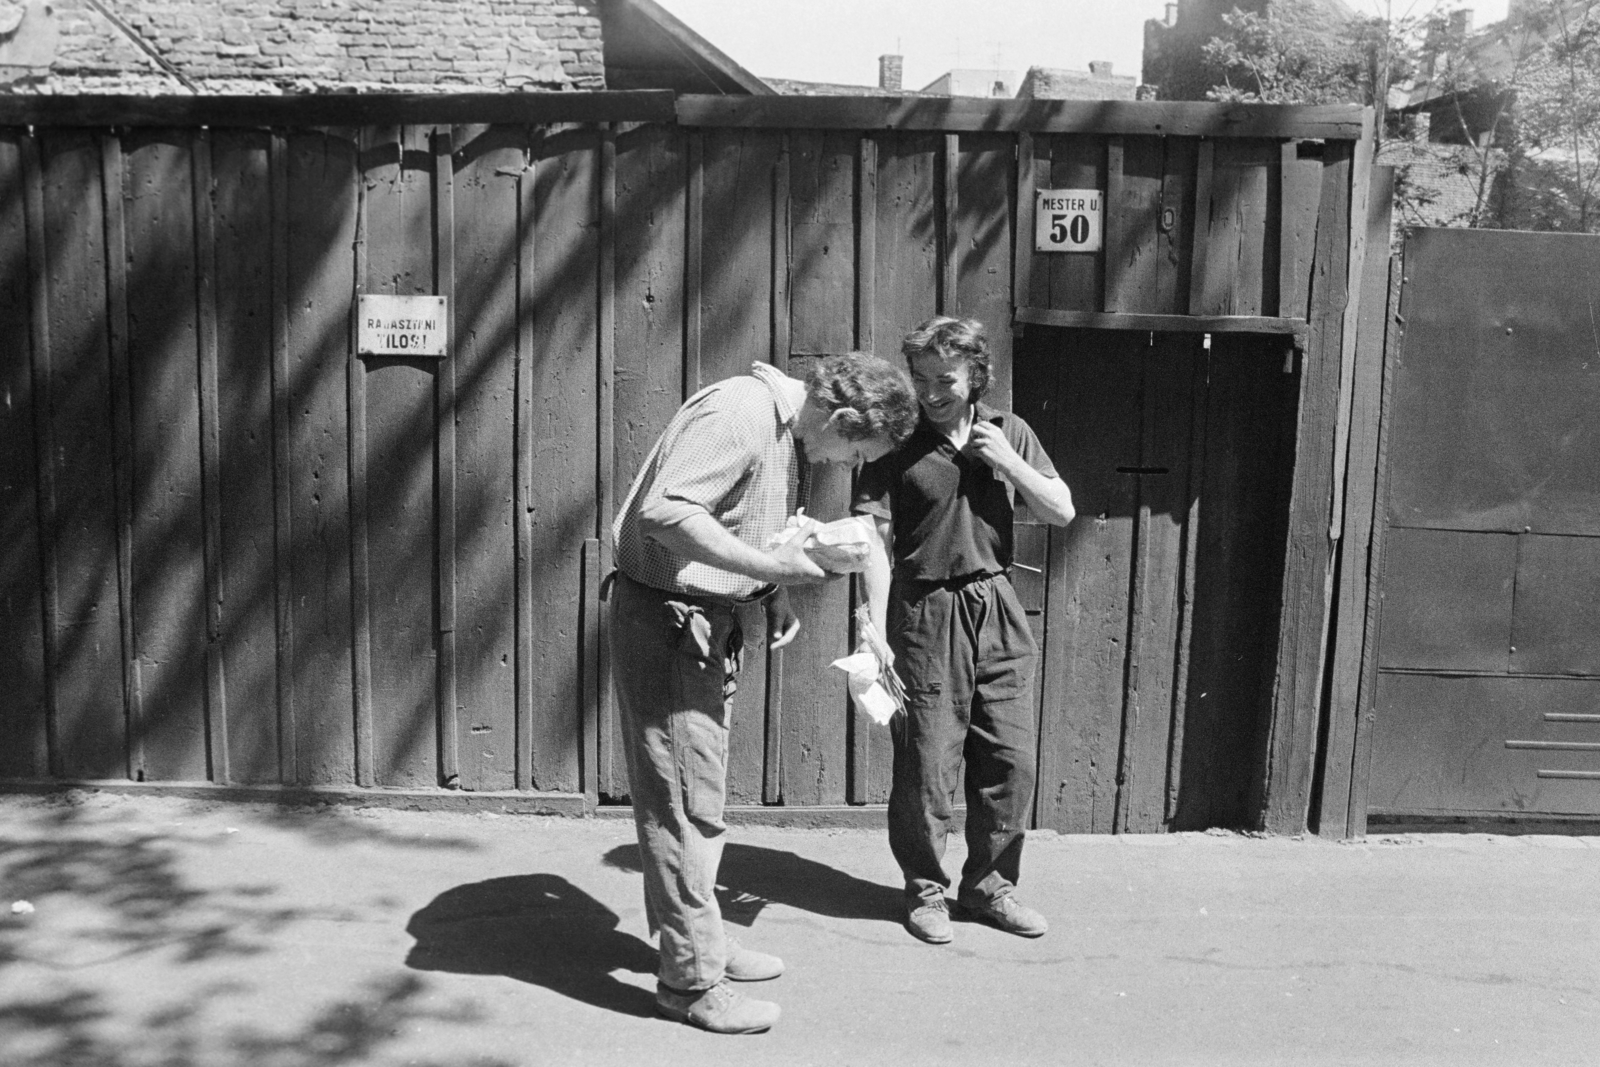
296,46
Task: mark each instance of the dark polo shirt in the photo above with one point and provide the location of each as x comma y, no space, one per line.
951,510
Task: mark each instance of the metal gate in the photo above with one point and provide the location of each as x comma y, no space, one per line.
1487,695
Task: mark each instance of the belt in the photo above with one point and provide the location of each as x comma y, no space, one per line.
952,584
703,599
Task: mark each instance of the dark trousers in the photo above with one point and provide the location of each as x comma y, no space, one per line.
674,661
966,656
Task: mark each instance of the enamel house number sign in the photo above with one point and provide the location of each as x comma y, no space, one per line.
1067,220
401,325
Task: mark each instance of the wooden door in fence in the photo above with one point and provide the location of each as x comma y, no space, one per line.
1158,606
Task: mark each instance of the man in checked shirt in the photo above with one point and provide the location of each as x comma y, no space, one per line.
691,537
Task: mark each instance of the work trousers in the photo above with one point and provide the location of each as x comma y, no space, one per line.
674,660
966,656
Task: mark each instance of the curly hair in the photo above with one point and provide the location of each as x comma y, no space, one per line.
950,338
875,395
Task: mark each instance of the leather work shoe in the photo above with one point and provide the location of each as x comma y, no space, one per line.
748,965
720,1009
929,919
1006,912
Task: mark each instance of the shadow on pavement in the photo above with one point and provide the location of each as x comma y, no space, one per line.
752,877
535,928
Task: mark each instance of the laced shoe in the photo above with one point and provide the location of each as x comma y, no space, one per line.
1007,913
928,918
720,1009
748,965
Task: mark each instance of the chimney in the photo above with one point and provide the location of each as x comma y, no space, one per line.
1099,68
890,69
1460,23
1172,15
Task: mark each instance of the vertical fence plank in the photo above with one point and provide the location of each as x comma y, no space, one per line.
1133,231
91,730
597,552
112,184
1357,490
241,267
488,165
948,200
1300,187
1200,224
815,705
282,475
1291,741
524,433
1242,488
1077,279
565,424
1168,399
1236,244
659,234
322,181
1095,430
169,580
982,230
399,443
858,726
1175,248
736,315
203,206
24,752
360,468
445,418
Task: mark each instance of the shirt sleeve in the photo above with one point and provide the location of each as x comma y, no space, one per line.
1026,442
705,458
872,488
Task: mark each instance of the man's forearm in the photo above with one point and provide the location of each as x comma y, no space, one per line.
702,539
875,579
1047,497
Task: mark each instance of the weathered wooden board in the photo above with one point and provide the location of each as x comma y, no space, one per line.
564,416
1096,404
982,236
169,595
488,166
242,286
23,748
397,176
815,706
1171,367
90,724
1242,486
1076,279
736,295
650,369
322,178
1306,587
905,287
1240,269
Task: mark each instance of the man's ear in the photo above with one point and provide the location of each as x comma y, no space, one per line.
838,417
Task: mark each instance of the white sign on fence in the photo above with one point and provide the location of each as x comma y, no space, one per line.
401,325
1067,220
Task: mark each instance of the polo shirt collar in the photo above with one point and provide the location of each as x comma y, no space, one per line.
981,412
777,384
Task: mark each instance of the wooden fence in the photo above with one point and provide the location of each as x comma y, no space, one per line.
238,553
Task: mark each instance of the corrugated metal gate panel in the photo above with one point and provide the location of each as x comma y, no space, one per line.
1486,745
1494,408
1491,563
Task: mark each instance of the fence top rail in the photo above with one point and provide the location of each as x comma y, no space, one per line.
1332,122
339,109
1337,122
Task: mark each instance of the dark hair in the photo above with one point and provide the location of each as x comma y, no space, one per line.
950,338
875,395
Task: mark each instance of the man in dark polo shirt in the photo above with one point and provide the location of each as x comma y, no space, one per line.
694,541
943,506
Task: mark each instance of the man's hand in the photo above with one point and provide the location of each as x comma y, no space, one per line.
988,442
789,564
782,623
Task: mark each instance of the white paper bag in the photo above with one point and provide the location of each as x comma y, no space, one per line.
861,672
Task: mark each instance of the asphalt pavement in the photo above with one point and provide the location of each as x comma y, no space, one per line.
152,931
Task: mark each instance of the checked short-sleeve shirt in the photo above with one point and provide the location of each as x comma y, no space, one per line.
730,453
